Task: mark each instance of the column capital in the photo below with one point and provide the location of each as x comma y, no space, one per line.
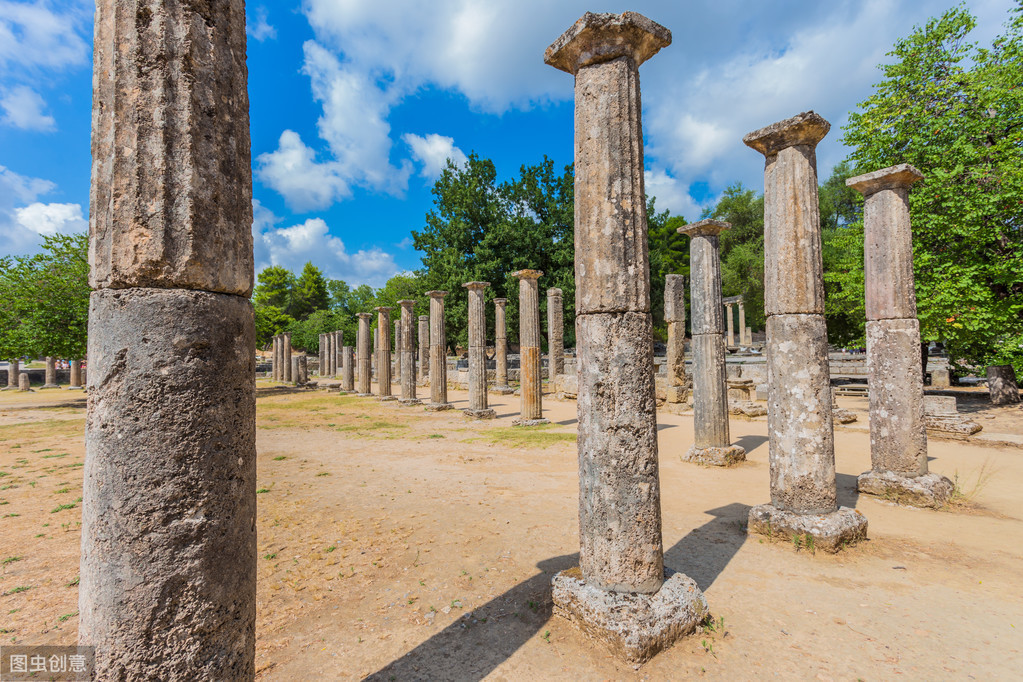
474,286
436,294
423,318
597,38
406,303
383,309
501,301
364,316
553,291
808,128
528,274
901,176
705,228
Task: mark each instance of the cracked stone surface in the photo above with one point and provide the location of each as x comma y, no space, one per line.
929,490
831,532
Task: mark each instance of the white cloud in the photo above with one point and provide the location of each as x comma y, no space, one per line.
260,30
292,170
23,220
34,35
23,108
671,194
433,152
49,219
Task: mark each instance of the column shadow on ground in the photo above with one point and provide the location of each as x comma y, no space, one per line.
848,495
751,443
568,422
473,646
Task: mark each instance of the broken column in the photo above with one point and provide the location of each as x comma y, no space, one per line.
75,382
800,427
24,383
898,432
347,369
712,442
275,362
286,358
1002,385
384,353
364,358
501,386
478,408
168,563
530,377
424,348
675,318
13,373
438,354
618,594
555,334
51,373
407,355
731,330
743,338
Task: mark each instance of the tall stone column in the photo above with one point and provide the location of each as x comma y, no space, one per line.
744,340
898,433
478,408
679,382
618,594
347,369
712,443
397,349
286,361
501,386
364,358
800,422
322,355
13,373
332,351
168,565
407,354
730,324
75,383
424,348
384,353
530,376
339,344
275,360
51,373
438,353
555,334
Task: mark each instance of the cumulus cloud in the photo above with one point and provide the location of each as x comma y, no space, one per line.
33,34
24,220
433,151
260,29
23,108
49,219
292,170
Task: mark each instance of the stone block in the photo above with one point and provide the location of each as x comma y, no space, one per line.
676,394
956,427
830,532
486,413
1001,383
747,408
715,456
929,490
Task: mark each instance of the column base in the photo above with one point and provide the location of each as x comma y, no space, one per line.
409,402
480,414
676,394
502,390
829,532
929,490
531,422
843,416
363,395
9,388
76,388
747,409
635,627
438,407
386,398
718,457
48,386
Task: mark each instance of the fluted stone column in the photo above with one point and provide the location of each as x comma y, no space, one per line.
712,442
407,354
730,325
168,565
298,369
286,363
618,594
438,353
800,422
744,340
75,382
347,369
275,362
339,345
13,372
51,373
397,350
679,382
331,358
24,384
478,408
555,334
384,353
364,357
424,349
898,433
530,376
501,386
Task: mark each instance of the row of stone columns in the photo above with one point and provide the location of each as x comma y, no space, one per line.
745,333
14,375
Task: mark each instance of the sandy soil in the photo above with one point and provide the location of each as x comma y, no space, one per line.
400,544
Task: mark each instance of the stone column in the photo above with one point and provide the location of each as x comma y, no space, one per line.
339,344
438,353
75,382
286,364
364,358
712,443
375,361
898,431
555,334
743,339
407,354
501,386
384,353
1002,385
24,384
347,369
397,350
275,362
51,373
679,382
530,376
478,408
424,347
618,594
331,354
800,424
749,336
323,355
168,563
729,322
13,373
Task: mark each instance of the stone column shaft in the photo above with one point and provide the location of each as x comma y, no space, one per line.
531,411
51,373
364,356
555,333
384,352
675,317
286,364
347,369
13,372
478,407
438,353
744,340
424,347
76,374
407,354
501,348
730,322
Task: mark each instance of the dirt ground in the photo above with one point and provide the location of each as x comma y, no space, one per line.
400,544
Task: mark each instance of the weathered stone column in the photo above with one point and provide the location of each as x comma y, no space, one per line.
800,424
679,382
322,359
424,348
279,357
24,384
743,338
286,364
501,386
51,373
13,373
384,353
478,408
347,369
438,353
275,362
364,358
168,565
555,334
339,344
530,376
712,443
1002,385
75,382
331,354
407,354
730,324
898,432
397,349
299,370
619,593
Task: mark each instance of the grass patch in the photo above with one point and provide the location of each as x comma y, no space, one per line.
26,432
280,459
323,473
11,560
262,490
376,425
62,507
66,616
964,493
16,590
529,436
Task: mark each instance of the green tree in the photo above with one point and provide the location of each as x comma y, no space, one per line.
270,321
955,111
309,293
274,287
742,249
669,254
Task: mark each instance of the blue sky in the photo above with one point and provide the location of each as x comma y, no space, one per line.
355,105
